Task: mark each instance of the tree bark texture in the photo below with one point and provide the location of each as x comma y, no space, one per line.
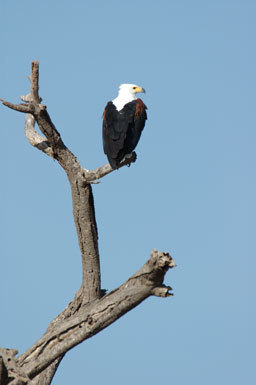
92,309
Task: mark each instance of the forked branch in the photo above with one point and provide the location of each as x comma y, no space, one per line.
98,315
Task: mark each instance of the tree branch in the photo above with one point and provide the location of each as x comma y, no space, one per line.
34,138
32,135
34,79
97,315
3,371
17,107
82,198
15,373
46,376
100,172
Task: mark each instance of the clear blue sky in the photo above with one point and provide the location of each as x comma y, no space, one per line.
191,191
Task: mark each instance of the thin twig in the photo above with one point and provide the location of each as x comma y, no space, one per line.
17,107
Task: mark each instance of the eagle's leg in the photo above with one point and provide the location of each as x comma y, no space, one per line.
130,158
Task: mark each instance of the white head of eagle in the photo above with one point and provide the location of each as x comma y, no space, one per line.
123,121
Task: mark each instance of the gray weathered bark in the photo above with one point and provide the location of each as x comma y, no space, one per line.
92,309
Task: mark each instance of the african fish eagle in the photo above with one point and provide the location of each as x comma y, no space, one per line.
123,121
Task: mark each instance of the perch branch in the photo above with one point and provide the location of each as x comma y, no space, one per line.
100,172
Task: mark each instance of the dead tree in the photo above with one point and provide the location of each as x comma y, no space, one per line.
92,309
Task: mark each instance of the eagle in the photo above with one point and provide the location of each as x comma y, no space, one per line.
123,121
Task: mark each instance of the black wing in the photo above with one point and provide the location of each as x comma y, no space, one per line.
122,129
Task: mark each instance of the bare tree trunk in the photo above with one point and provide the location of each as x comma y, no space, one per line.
92,309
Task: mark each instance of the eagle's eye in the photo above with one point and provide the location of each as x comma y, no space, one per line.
134,88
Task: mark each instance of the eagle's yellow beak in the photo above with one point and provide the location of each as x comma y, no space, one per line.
139,89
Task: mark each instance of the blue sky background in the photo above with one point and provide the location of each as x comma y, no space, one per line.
191,191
